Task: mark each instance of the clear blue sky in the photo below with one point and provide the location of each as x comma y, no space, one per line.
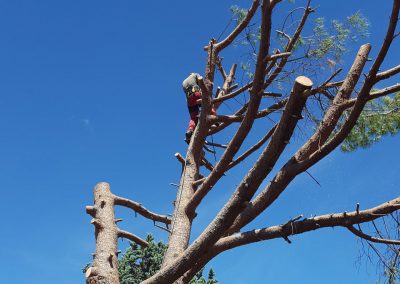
90,91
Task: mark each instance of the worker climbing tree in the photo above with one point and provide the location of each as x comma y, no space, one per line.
193,97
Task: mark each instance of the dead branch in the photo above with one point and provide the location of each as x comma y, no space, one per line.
139,208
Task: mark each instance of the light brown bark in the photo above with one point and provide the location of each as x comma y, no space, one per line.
105,264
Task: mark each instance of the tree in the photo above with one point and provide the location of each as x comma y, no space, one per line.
137,263
337,107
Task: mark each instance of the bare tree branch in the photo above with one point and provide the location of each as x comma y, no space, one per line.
372,239
374,95
133,238
254,148
137,207
233,94
294,227
388,73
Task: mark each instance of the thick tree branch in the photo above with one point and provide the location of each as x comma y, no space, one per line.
388,73
294,227
335,111
239,28
139,208
299,227
374,95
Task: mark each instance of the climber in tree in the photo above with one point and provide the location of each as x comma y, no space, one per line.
193,97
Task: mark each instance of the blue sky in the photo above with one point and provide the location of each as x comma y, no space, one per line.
90,91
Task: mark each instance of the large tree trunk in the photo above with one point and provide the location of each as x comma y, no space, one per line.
105,264
181,223
183,218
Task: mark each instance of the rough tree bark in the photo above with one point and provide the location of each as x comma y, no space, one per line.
105,264
104,269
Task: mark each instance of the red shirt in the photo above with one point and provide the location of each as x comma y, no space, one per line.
193,105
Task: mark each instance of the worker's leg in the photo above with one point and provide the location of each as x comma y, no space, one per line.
192,125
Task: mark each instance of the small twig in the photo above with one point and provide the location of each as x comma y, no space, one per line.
163,228
277,56
294,219
284,35
332,76
274,95
310,175
216,144
199,181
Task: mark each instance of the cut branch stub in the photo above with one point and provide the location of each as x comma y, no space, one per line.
302,83
104,268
